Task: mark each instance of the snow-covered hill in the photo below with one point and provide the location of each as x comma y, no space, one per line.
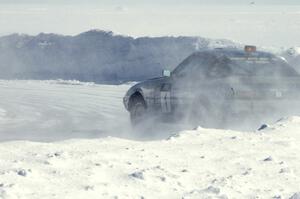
202,163
95,55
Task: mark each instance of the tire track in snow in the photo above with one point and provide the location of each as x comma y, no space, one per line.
38,110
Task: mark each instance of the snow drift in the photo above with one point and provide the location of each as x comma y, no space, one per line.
201,163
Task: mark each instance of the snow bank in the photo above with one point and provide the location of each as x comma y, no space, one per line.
201,163
57,81
70,82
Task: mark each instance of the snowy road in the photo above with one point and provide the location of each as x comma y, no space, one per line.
200,163
58,110
53,110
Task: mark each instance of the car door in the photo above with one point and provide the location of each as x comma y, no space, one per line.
198,83
165,97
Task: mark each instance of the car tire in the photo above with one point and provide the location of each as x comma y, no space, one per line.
138,113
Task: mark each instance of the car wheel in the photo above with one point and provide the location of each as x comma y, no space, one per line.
137,113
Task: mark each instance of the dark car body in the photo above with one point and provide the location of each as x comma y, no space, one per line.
218,84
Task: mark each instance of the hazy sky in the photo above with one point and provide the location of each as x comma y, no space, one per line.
266,22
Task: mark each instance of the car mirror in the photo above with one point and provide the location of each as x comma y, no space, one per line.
166,73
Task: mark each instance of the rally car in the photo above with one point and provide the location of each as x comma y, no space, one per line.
214,87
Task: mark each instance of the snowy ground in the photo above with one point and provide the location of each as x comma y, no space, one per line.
58,110
201,163
52,110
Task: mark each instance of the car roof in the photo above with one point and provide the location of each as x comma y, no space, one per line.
232,53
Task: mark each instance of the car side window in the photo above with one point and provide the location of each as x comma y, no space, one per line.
203,66
191,67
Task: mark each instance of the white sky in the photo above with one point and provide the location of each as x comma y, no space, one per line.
144,2
268,22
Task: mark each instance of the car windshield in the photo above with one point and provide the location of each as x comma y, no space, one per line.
207,65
